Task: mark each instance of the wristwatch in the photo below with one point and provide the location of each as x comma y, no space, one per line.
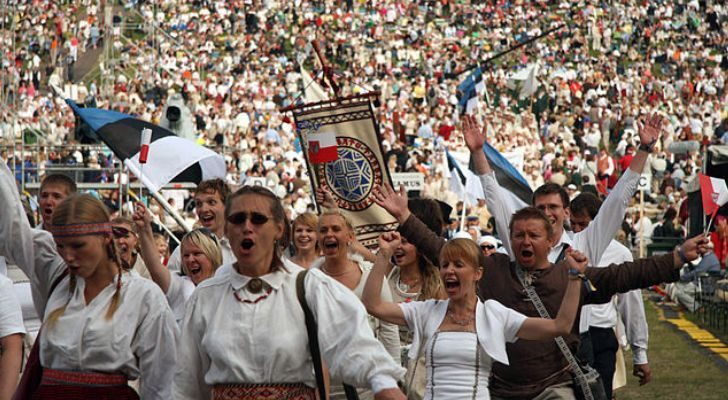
647,147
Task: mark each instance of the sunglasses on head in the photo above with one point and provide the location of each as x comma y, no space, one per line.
487,247
240,218
120,232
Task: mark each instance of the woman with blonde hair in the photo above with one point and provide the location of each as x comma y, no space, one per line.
461,337
343,264
102,323
201,256
244,334
305,239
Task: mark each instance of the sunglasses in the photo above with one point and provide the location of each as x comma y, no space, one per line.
120,232
241,217
487,247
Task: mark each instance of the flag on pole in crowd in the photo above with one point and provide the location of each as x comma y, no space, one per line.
525,81
175,159
714,193
312,91
357,165
469,91
463,181
321,147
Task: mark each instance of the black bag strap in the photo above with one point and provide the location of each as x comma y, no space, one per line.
562,254
312,330
313,343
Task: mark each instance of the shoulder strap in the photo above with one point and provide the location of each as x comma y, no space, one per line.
562,254
581,379
57,281
313,343
312,330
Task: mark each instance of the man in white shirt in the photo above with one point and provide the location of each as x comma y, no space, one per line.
553,199
599,343
210,197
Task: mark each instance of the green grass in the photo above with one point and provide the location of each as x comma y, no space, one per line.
680,370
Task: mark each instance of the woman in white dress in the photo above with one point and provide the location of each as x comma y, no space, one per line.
460,337
201,256
244,334
336,236
103,324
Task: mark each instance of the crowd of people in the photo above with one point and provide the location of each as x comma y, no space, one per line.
621,87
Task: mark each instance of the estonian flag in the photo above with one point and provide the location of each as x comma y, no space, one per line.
508,176
172,159
469,90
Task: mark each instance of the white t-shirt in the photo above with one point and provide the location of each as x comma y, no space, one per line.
11,318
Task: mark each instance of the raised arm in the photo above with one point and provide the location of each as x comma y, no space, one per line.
32,250
499,205
644,272
158,272
597,236
410,227
544,328
372,294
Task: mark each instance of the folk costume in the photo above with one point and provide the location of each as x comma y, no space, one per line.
84,355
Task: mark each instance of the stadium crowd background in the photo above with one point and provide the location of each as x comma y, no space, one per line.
236,63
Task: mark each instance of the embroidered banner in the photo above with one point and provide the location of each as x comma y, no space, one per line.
360,166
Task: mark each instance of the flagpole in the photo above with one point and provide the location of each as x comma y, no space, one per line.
465,208
642,224
485,63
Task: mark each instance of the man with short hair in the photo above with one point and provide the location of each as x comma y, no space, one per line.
553,200
599,344
54,188
210,197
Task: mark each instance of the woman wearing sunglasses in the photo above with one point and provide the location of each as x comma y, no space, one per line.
201,256
102,324
340,262
244,334
461,337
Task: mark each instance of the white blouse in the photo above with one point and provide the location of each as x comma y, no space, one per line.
495,325
179,291
225,340
11,318
138,341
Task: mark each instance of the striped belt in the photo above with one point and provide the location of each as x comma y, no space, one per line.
56,377
264,391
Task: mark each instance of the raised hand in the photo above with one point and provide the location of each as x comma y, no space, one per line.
474,137
142,217
694,247
395,203
650,129
388,243
576,260
326,199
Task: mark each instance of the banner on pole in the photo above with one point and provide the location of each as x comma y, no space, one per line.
359,167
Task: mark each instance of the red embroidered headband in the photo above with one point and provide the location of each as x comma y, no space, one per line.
71,230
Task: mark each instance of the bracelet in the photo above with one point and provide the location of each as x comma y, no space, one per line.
575,274
681,254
